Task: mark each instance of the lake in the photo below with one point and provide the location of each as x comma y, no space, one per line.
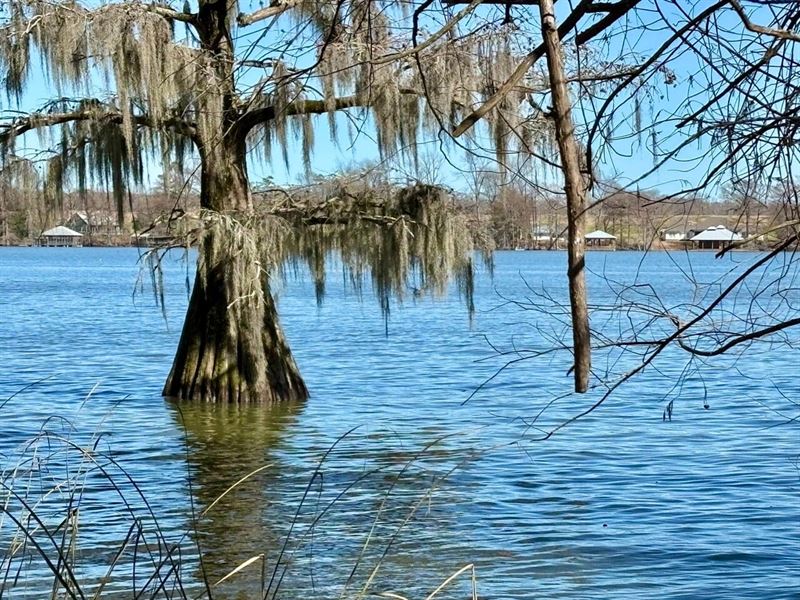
387,479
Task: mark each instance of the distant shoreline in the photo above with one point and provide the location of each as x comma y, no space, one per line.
752,247
654,248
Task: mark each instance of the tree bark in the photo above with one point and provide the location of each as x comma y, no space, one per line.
232,348
575,188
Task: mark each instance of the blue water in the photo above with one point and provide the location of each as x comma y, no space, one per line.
618,504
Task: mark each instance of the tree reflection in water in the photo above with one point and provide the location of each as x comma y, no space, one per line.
226,442
367,504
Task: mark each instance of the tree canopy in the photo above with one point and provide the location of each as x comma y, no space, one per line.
137,82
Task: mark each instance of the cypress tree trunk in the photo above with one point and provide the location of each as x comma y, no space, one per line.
232,348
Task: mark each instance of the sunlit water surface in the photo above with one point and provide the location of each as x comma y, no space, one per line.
620,504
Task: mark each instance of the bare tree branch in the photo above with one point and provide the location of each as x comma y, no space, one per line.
778,33
261,115
277,7
417,48
172,14
614,10
741,339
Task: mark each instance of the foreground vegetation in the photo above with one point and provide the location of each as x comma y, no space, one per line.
75,523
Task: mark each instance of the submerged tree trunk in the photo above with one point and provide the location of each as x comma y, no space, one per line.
575,189
232,348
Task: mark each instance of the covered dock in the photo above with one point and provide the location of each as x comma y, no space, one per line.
600,239
60,237
715,238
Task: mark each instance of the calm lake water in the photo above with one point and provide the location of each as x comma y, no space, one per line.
620,504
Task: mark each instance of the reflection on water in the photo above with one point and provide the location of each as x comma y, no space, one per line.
225,444
326,525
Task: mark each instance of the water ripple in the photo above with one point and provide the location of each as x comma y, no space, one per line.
620,504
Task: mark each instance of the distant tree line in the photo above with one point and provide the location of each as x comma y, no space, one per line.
519,216
512,215
26,210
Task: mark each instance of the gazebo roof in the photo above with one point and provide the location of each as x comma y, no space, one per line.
599,235
719,233
61,231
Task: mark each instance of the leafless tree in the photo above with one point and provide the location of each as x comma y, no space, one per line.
707,90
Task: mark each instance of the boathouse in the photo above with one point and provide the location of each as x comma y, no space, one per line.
61,236
715,238
600,239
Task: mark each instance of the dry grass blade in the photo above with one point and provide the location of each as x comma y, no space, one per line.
52,558
21,526
383,502
470,567
447,581
232,487
115,561
66,551
316,474
37,487
240,567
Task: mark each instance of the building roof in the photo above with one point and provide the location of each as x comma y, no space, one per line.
61,231
99,217
599,235
697,223
718,233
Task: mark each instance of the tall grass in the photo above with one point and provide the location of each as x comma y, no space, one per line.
55,534
48,496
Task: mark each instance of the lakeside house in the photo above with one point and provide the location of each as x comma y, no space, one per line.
61,237
600,239
98,223
546,237
682,228
714,238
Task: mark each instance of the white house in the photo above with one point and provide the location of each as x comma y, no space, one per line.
61,236
715,237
